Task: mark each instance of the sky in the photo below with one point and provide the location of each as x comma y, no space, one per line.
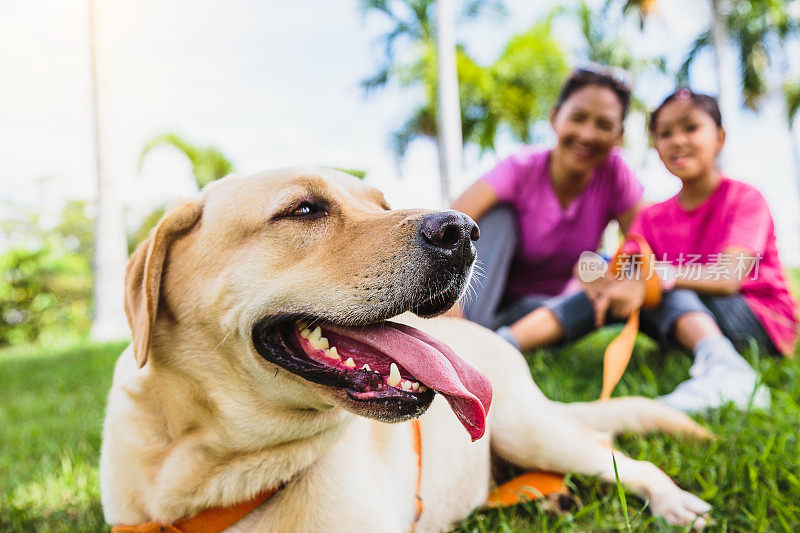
273,84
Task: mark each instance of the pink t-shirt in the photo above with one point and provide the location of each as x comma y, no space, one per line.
735,215
551,238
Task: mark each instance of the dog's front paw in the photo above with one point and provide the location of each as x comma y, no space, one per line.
681,508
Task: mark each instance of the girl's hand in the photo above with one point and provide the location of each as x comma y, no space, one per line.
620,297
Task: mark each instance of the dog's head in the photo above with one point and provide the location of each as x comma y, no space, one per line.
282,283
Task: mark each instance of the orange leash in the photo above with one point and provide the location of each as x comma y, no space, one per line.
529,486
534,485
416,433
618,353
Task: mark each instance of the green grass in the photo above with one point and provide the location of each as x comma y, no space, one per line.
52,402
750,474
51,414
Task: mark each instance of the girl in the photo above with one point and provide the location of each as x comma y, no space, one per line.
723,280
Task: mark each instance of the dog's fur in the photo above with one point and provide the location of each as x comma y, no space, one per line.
197,418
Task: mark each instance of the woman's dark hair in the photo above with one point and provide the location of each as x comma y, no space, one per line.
704,102
616,79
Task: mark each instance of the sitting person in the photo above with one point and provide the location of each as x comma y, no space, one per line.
735,290
539,209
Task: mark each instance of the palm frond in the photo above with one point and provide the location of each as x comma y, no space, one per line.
700,43
474,8
382,6
642,8
422,123
791,100
753,63
208,163
376,81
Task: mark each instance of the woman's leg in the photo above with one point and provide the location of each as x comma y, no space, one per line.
559,319
495,250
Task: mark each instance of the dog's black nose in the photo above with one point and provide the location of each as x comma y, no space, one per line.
450,233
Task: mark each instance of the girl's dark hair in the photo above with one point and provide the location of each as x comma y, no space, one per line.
616,79
704,102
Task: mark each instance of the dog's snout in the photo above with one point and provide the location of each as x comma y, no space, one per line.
449,232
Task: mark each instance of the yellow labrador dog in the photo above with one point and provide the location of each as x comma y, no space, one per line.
263,357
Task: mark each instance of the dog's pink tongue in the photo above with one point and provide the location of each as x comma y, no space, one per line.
433,363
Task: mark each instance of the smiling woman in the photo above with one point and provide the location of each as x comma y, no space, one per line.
555,204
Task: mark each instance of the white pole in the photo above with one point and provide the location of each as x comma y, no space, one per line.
449,116
728,102
110,253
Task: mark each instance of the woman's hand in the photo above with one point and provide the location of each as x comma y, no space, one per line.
620,297
595,287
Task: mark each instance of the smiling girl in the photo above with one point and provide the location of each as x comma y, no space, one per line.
739,291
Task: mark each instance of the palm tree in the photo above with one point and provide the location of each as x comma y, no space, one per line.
751,27
514,92
412,21
603,43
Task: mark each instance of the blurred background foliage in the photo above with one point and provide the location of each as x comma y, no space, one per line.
46,266
46,284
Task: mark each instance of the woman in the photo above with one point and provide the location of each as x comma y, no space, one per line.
538,210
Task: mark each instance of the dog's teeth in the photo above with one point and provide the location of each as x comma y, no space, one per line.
317,340
302,325
365,367
405,385
422,388
415,386
349,363
333,353
394,376
305,333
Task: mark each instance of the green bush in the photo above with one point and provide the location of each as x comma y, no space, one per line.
46,282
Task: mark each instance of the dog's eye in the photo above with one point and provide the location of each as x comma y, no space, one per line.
305,209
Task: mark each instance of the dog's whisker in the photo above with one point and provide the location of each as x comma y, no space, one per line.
220,343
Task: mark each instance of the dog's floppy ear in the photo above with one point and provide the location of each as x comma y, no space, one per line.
143,274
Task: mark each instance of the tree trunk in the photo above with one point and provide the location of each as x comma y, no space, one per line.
110,243
793,139
719,43
795,153
791,123
448,117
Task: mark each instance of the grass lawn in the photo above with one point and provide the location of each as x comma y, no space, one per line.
52,401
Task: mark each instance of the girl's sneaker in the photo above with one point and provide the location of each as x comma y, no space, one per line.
716,381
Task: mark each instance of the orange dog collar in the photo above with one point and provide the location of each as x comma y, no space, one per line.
217,519
211,520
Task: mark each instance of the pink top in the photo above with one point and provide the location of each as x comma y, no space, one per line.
551,238
735,215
